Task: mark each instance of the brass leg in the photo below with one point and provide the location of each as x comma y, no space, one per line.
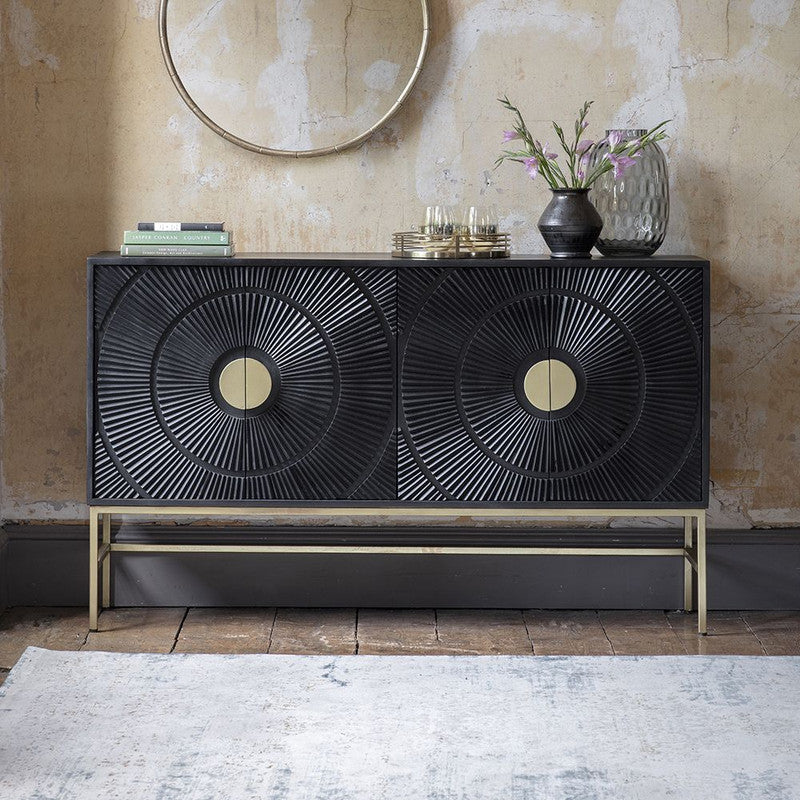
688,569
93,568
106,566
701,574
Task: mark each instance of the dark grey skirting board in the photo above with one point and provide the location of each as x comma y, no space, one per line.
752,569
3,569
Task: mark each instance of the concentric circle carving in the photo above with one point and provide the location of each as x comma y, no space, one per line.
317,428
464,428
620,431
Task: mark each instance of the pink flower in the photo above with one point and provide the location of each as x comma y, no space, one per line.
531,166
547,153
583,165
621,163
509,136
614,138
584,146
633,143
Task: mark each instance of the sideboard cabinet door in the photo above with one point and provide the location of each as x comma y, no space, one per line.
634,430
578,384
468,337
242,383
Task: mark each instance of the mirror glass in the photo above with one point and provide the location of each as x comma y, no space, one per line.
294,75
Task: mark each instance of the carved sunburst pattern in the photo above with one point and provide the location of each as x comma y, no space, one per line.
630,336
162,432
475,422
464,434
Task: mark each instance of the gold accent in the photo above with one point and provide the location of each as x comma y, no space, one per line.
245,383
94,517
688,566
394,550
411,244
388,511
100,558
702,599
104,550
550,384
257,148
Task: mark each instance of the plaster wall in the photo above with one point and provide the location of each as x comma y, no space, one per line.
93,137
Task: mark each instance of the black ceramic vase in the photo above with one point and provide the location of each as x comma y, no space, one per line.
570,224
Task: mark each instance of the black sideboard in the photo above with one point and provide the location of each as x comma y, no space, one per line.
380,380
353,384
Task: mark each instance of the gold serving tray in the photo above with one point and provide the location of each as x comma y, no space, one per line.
410,244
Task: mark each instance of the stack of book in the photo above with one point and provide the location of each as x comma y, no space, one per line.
177,239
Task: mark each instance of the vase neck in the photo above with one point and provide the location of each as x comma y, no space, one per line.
628,133
570,190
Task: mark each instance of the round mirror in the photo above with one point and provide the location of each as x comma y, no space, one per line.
294,77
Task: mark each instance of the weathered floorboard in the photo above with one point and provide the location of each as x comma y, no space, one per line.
226,630
53,628
777,631
397,632
728,635
475,632
136,630
306,631
641,633
567,633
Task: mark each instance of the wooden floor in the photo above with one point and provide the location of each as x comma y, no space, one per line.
394,632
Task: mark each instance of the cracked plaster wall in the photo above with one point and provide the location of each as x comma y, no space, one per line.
94,138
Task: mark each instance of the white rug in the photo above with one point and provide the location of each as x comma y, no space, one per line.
102,726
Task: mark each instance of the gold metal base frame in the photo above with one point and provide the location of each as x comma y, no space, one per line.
101,544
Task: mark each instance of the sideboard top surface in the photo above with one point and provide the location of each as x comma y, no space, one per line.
385,260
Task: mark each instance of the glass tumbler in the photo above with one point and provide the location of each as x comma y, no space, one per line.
480,220
438,221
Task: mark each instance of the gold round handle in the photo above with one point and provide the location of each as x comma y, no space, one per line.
245,383
550,384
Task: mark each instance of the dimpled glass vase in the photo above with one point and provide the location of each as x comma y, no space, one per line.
635,206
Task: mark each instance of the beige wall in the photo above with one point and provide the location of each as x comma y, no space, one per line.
94,138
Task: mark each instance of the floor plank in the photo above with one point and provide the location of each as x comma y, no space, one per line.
393,631
482,632
53,628
308,631
226,630
641,633
728,635
567,633
397,632
136,630
777,631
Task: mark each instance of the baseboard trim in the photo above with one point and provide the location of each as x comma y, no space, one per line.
748,569
3,569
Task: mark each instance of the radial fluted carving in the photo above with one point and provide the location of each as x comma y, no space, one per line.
163,429
629,431
528,383
639,424
465,435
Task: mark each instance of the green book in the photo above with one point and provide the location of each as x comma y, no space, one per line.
176,250
176,237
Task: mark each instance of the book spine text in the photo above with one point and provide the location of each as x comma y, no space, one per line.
176,250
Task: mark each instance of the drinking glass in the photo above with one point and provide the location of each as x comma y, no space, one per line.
480,220
438,221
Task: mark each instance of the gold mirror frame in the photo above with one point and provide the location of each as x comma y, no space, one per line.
256,148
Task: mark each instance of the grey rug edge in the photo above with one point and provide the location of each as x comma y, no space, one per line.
35,655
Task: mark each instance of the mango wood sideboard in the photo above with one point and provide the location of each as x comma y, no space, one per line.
356,384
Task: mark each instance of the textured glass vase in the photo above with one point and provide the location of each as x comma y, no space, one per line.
634,207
